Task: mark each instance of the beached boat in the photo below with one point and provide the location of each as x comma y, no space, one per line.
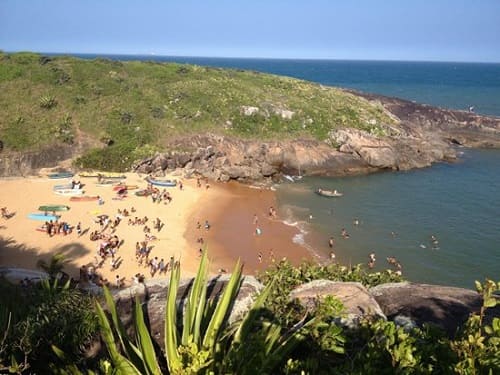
69,192
62,187
104,183
60,175
84,198
125,187
143,193
102,174
42,217
165,183
53,208
329,193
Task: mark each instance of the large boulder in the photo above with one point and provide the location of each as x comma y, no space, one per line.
153,293
374,150
357,301
444,306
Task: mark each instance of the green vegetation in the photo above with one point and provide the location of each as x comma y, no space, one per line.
34,317
272,337
137,106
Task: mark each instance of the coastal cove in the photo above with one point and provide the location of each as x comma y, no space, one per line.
456,202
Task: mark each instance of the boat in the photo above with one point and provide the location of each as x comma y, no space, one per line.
43,217
125,187
53,208
328,193
143,193
104,183
62,187
102,174
166,183
60,175
84,198
69,192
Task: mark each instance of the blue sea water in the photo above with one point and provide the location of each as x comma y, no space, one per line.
459,202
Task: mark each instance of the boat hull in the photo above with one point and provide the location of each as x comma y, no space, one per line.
43,217
164,183
55,176
53,208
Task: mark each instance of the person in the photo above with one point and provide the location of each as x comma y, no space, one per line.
207,225
258,231
100,201
255,219
79,229
344,233
118,281
332,256
331,242
356,222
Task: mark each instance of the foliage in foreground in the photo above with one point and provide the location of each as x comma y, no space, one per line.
272,338
32,318
205,342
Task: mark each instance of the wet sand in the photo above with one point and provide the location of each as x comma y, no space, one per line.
233,232
229,208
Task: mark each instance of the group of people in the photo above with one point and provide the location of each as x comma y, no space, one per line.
56,227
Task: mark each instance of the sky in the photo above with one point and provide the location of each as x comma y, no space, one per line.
429,30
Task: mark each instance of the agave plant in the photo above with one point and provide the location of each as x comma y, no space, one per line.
205,343
55,265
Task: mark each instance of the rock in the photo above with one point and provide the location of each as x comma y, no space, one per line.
357,301
373,150
268,170
153,293
249,110
446,307
285,114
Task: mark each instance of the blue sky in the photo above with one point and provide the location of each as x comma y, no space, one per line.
438,30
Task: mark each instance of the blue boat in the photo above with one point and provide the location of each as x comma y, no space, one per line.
43,217
60,175
166,183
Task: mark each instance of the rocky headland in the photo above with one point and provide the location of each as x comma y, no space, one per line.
422,135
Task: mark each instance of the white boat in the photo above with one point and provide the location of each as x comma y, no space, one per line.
69,192
328,193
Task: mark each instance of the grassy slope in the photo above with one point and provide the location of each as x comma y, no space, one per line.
146,103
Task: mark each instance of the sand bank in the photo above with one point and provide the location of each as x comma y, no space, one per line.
229,209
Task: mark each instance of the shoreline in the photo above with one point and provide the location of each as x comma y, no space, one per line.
234,235
229,208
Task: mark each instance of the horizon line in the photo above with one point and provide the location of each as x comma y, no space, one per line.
255,57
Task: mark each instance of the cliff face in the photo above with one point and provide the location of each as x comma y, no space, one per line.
424,135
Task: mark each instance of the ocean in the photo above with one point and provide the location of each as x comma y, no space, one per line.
458,203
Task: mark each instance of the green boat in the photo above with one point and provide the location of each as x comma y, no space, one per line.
53,208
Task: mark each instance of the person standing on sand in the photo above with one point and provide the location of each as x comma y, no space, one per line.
79,229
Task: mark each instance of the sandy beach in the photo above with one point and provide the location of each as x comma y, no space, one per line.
239,227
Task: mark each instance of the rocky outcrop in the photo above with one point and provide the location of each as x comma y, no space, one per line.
153,294
357,301
25,163
422,135
416,304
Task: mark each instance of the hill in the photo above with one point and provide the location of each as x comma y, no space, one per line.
136,108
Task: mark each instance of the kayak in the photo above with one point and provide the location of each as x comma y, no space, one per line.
60,175
43,217
53,208
166,183
69,192
84,198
